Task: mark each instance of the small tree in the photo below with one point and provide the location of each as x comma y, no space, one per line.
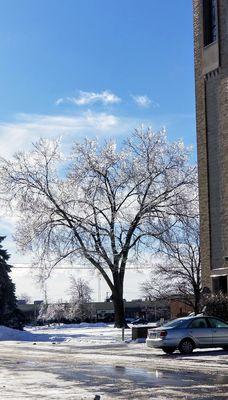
179,272
104,205
80,307
216,305
56,312
9,314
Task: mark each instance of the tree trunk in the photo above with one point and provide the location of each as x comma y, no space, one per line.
118,302
197,298
119,311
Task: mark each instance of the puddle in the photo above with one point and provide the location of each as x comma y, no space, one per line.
142,378
161,377
135,383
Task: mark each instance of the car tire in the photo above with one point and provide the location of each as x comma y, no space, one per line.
168,350
225,348
186,346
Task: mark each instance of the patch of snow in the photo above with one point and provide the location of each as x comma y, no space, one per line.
94,360
70,326
9,334
139,340
83,334
14,334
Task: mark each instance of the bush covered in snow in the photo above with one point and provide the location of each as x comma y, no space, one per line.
217,305
65,313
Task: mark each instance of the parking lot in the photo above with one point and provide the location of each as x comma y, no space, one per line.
83,366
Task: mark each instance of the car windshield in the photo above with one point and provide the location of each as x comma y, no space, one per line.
177,323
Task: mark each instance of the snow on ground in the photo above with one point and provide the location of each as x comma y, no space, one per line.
84,333
8,334
75,362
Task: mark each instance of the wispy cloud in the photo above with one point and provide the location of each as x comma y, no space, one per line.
27,128
59,101
144,101
86,98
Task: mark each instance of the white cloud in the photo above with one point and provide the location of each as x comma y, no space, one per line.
59,101
142,100
27,128
85,98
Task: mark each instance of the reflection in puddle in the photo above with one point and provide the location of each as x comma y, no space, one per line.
163,377
127,380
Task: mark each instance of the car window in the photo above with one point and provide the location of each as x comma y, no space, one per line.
217,323
198,323
176,323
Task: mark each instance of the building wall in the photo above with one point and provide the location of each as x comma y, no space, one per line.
201,146
179,309
214,173
104,311
212,140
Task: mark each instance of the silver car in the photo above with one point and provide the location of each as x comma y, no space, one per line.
188,333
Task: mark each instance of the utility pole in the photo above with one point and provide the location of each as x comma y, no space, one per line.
99,288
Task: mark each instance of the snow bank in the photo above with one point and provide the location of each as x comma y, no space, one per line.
76,334
9,334
72,326
14,334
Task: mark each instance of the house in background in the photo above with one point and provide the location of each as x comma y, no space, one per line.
30,311
104,311
178,308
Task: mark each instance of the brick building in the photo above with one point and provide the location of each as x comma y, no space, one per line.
104,311
211,77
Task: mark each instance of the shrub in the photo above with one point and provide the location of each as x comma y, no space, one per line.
217,305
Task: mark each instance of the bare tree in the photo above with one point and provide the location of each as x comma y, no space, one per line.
80,290
101,204
80,302
179,272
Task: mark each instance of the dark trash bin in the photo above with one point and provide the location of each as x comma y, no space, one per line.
140,331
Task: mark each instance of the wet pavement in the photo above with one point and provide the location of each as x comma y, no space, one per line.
123,381
142,377
68,373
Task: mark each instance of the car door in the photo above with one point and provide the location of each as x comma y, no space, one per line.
201,332
219,332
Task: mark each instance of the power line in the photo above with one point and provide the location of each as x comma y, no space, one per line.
63,268
20,266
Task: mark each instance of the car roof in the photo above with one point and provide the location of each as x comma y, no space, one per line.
199,316
189,317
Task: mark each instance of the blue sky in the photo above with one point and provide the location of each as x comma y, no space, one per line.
53,49
94,67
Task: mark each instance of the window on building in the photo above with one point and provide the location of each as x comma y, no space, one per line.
210,21
220,284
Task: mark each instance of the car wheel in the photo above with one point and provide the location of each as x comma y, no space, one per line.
186,346
168,350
